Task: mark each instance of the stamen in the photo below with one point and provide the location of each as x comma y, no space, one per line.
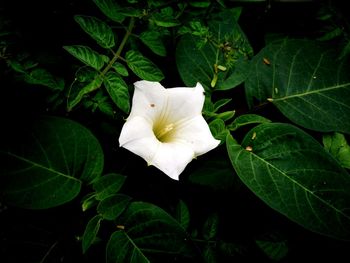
162,132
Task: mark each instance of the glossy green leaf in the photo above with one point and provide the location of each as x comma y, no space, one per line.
143,67
293,174
91,231
112,207
152,230
222,65
117,90
92,86
97,29
108,184
247,119
121,249
111,9
183,214
338,147
46,162
86,55
120,69
305,81
153,40
164,20
40,76
218,129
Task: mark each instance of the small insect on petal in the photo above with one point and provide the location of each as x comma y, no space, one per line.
152,105
266,61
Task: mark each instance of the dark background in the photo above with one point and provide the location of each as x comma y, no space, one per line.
42,28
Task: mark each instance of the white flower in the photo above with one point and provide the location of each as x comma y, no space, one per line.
166,127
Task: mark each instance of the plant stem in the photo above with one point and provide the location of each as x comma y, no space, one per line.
121,46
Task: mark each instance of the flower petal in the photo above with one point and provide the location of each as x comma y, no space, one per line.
196,133
185,102
172,158
137,136
148,100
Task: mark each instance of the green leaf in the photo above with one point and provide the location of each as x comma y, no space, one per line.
46,162
108,184
216,174
86,55
121,249
200,4
152,230
97,29
165,18
120,69
338,147
88,201
293,174
117,90
305,81
247,119
112,207
222,65
153,40
143,67
110,9
274,248
91,231
40,76
218,129
92,86
210,227
220,103
183,214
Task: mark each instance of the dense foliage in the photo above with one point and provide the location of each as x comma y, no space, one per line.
277,94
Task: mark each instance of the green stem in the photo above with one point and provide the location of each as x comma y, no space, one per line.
121,46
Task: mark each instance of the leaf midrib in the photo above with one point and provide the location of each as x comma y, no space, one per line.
42,166
296,183
312,92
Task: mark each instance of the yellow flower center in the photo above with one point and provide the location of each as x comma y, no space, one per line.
163,131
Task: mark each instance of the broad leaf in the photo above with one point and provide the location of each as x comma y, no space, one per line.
121,249
153,40
117,90
108,184
111,9
40,76
219,62
143,67
338,147
97,29
112,207
86,55
92,86
152,230
46,161
91,231
292,173
247,119
305,81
